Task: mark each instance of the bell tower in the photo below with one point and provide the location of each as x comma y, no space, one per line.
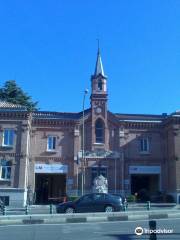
99,99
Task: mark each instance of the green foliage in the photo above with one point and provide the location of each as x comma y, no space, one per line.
131,198
72,198
12,93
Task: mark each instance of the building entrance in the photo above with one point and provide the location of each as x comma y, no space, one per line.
50,187
147,183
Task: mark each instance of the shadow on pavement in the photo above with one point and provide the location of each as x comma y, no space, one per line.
173,236
151,236
126,236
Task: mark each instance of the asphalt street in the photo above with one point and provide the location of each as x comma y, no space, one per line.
90,231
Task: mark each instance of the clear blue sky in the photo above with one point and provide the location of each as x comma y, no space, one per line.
49,48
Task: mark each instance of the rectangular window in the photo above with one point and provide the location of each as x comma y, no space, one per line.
8,137
51,143
144,145
5,170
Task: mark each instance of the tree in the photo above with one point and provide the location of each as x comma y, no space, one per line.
12,93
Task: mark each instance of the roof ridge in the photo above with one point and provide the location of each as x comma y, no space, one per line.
6,104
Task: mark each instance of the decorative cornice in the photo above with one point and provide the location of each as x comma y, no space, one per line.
11,155
44,129
140,125
55,159
99,97
49,122
14,115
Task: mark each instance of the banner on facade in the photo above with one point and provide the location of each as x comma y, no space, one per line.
144,169
99,154
50,168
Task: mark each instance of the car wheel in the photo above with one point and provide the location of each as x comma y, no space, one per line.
109,209
69,210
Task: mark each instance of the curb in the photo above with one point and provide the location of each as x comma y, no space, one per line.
84,217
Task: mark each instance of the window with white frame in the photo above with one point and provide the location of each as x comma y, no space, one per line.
51,143
8,137
5,170
144,145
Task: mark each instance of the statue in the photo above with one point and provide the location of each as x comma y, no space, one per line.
100,185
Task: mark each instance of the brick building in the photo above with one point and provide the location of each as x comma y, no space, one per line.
42,152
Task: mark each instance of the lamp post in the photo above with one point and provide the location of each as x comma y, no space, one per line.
83,175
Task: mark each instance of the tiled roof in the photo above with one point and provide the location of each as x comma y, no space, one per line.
58,115
6,106
140,117
11,106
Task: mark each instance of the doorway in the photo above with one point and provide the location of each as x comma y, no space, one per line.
49,187
147,182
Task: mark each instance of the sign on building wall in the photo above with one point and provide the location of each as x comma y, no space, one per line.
144,169
50,168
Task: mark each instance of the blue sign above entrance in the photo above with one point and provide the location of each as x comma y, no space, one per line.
50,168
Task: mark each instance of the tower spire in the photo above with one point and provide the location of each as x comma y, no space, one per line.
99,67
98,45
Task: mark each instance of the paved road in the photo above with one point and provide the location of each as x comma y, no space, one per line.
89,231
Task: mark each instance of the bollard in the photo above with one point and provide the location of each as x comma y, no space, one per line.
51,209
26,210
4,210
124,206
152,228
148,205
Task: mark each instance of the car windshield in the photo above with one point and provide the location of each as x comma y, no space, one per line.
116,195
84,198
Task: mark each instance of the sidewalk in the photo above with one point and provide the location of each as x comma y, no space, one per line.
47,209
88,217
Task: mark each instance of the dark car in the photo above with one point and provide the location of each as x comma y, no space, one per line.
94,202
124,200
119,195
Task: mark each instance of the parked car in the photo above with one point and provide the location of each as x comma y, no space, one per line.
94,202
121,196
124,200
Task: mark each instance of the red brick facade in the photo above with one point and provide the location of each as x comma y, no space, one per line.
128,149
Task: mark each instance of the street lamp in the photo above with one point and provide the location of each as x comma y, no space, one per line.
83,155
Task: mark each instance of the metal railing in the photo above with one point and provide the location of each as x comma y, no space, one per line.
51,208
28,209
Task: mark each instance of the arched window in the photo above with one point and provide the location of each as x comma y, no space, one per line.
99,131
100,85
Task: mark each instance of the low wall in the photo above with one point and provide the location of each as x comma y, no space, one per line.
16,196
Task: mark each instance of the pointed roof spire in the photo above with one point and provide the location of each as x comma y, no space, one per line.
99,66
